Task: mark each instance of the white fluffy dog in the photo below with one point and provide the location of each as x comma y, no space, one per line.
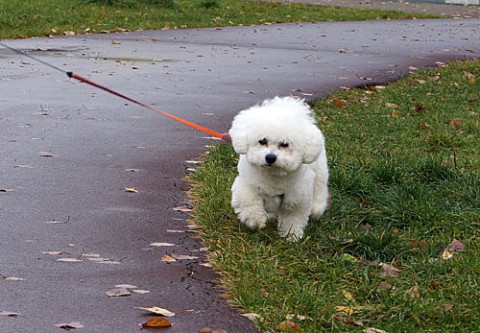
282,170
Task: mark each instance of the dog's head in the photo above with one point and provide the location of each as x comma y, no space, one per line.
278,135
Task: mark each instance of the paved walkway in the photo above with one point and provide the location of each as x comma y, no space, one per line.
446,10
68,152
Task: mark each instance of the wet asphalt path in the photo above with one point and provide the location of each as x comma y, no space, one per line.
68,151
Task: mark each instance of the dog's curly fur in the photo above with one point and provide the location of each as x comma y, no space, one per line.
282,169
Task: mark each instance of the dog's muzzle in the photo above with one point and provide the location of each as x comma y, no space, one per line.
270,158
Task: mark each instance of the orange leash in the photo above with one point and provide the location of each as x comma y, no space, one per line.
166,114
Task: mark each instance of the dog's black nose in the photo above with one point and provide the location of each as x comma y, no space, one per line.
270,158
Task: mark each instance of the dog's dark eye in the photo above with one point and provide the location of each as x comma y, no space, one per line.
284,144
263,141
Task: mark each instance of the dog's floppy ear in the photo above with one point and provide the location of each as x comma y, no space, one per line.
238,133
314,145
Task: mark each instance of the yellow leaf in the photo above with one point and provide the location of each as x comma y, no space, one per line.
348,295
446,255
157,323
131,189
394,114
345,309
167,258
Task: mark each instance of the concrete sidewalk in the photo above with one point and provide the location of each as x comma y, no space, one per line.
68,151
414,7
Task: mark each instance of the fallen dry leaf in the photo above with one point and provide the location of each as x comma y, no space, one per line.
446,255
373,330
419,244
126,286
455,122
157,323
391,105
45,154
388,270
118,292
5,190
69,326
424,126
53,253
345,309
157,310
413,292
73,260
131,190
9,314
453,247
14,278
167,258
289,326
184,209
394,114
252,316
456,246
140,291
177,256
338,102
298,317
161,244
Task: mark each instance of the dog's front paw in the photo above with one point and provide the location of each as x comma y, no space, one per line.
292,235
253,218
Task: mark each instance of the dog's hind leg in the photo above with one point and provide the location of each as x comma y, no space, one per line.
321,196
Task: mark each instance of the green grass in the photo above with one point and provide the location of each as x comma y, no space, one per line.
405,182
33,18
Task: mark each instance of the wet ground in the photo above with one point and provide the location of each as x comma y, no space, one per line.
70,151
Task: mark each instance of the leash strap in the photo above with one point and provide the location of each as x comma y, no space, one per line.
166,114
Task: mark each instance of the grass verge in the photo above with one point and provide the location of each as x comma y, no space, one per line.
405,182
33,18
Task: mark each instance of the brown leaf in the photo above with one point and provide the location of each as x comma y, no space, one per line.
419,244
167,258
455,122
424,126
420,108
159,322
388,271
456,246
413,292
384,285
289,326
338,103
345,309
